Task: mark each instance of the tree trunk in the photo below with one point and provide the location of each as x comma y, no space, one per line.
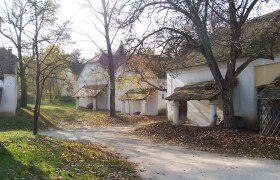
228,109
36,119
110,59
37,100
23,84
50,93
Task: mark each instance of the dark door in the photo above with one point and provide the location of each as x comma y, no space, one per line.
183,109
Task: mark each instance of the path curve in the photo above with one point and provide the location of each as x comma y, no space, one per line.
158,161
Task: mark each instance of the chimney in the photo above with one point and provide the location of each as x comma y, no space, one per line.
10,49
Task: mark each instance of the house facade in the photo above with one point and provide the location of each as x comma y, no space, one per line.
92,89
193,94
204,106
8,82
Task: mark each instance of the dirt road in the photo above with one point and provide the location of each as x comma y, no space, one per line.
157,161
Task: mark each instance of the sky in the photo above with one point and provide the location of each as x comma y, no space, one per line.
74,11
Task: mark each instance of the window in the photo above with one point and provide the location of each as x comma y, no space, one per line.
162,96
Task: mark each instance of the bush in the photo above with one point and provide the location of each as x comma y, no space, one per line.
65,98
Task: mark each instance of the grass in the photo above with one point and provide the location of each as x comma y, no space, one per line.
65,116
25,156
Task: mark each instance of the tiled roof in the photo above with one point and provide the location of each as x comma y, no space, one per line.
198,91
271,91
89,90
137,94
8,62
104,61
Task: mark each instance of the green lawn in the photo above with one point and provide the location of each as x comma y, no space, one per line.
25,156
65,116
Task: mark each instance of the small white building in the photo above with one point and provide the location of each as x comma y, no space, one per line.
8,82
92,89
193,96
144,101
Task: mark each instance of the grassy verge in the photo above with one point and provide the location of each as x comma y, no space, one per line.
65,116
26,156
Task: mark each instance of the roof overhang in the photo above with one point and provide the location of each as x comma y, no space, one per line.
197,91
89,90
137,94
271,91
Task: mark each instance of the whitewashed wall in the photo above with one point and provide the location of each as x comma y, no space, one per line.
103,99
151,107
152,104
94,74
9,95
161,100
83,102
245,102
132,107
91,74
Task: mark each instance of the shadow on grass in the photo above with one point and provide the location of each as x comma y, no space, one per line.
13,169
23,120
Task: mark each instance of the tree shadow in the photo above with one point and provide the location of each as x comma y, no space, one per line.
10,168
23,120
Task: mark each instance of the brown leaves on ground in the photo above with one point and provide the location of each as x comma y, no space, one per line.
90,119
213,139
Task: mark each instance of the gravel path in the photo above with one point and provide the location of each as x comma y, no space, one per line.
157,161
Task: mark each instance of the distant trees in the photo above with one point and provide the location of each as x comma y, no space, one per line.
209,30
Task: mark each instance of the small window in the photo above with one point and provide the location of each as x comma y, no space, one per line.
162,96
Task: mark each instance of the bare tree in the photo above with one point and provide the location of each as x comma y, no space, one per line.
16,16
105,14
206,28
47,60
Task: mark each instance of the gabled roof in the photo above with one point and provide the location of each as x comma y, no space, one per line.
8,62
103,60
198,91
137,94
271,91
89,90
